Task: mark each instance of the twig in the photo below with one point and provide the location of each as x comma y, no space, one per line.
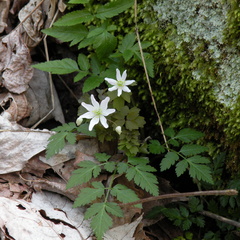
146,73
220,218
229,192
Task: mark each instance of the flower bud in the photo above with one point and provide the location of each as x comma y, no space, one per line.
118,129
79,121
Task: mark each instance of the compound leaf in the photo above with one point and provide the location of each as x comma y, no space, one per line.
192,149
155,147
102,157
91,83
181,167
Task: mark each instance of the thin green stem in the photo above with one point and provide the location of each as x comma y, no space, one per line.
147,76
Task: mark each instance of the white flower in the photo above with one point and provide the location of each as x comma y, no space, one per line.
97,112
121,83
79,121
118,129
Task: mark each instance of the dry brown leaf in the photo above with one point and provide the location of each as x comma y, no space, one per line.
4,10
17,5
16,105
15,63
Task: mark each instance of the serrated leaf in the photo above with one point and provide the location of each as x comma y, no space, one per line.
124,194
138,160
145,180
63,66
186,224
199,221
122,167
169,160
169,132
96,31
56,144
78,1
102,157
84,129
127,42
73,34
192,149
149,64
187,135
200,172
100,220
83,62
112,9
66,127
198,159
114,209
127,54
87,195
181,167
155,147
91,83
104,44
110,166
74,18
87,171
195,205
71,137
80,76
174,142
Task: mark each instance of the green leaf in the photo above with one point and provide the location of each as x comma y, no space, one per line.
104,44
145,180
63,66
83,128
78,1
91,83
192,149
112,9
122,167
127,42
181,167
155,147
169,132
66,127
200,172
169,160
110,166
100,220
87,171
71,137
149,64
124,194
195,205
102,157
56,144
199,221
137,160
83,62
187,135
114,209
73,34
87,195
74,18
80,76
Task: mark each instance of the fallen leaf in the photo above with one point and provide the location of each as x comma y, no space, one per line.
4,10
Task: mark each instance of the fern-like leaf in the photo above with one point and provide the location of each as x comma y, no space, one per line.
87,195
169,160
181,167
192,149
155,147
87,170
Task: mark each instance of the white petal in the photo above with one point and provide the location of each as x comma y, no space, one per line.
89,107
113,88
108,111
111,81
94,102
87,115
93,122
118,75
118,129
79,121
124,75
119,92
129,82
104,103
103,120
126,89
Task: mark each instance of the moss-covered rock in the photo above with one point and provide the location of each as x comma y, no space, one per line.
197,74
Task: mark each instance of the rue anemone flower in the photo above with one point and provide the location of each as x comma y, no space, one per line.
120,84
118,129
96,112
